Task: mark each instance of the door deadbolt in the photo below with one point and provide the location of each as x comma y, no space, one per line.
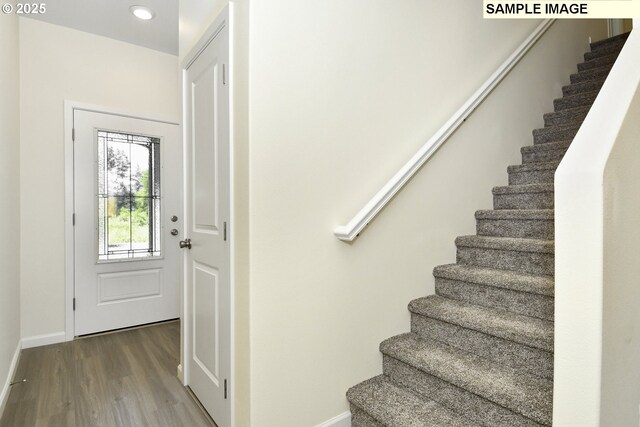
186,243
174,232
174,218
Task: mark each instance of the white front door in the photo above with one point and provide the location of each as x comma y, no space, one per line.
207,262
127,182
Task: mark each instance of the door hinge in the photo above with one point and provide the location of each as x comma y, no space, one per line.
73,219
225,388
224,74
225,231
74,304
73,134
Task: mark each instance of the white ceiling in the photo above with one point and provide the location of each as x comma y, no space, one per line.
111,18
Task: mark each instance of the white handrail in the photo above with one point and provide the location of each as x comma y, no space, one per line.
353,228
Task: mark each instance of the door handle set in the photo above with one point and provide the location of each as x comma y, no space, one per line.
186,243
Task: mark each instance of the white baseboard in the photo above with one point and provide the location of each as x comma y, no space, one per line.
4,394
46,339
342,420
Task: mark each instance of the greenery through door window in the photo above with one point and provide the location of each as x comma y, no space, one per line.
128,196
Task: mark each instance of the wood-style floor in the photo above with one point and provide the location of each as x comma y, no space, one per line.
121,379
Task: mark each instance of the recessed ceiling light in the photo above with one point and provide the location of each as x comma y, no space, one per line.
142,12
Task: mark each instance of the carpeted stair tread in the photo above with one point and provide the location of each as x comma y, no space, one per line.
605,50
544,153
554,129
587,86
609,44
516,223
506,243
519,293
478,409
577,100
532,167
530,214
507,352
517,391
532,173
505,279
552,146
359,418
598,62
520,189
392,405
620,38
558,145
567,117
592,74
525,255
524,196
555,133
530,331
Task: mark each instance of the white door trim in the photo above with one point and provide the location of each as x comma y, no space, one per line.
222,21
69,245
615,27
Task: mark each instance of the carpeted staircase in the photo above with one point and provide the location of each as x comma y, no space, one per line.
480,351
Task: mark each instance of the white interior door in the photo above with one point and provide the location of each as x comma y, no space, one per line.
127,187
207,262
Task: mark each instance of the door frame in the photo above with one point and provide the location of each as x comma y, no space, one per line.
69,197
615,27
222,21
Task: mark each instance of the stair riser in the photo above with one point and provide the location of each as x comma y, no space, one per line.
543,200
505,353
597,63
595,74
532,305
532,177
360,418
613,48
574,101
521,228
553,135
524,262
590,86
565,117
474,407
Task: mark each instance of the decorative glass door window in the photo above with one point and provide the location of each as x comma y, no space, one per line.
128,196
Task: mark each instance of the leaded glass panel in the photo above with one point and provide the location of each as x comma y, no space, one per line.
128,196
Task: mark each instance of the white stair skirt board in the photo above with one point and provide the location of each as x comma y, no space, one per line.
45,339
4,395
342,420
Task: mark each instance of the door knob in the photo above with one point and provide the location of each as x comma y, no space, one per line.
186,243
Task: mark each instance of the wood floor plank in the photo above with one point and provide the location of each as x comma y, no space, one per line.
120,379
